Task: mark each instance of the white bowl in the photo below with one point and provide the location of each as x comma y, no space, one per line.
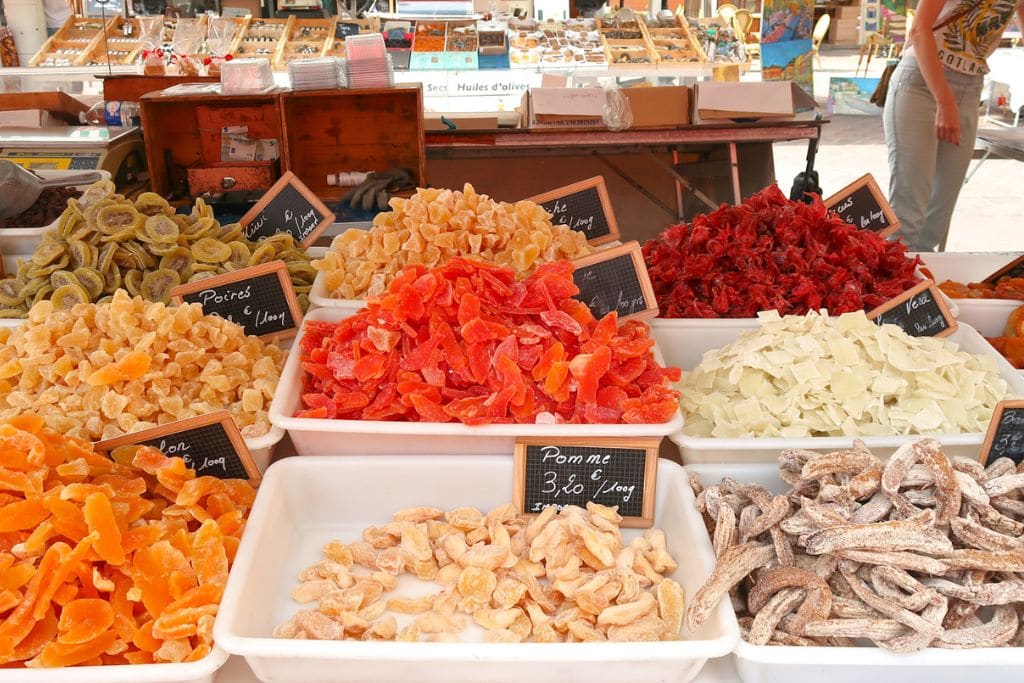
305,502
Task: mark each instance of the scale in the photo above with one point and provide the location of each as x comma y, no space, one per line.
117,150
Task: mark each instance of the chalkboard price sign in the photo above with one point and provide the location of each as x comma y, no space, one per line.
921,312
344,29
259,298
583,206
209,444
862,204
614,472
1014,268
1005,437
288,206
616,280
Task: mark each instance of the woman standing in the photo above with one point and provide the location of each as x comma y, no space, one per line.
931,111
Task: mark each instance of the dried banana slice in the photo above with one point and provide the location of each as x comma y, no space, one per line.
43,293
230,232
263,254
66,296
239,254
91,280
209,250
118,218
82,254
101,189
111,279
12,292
59,278
161,229
133,282
200,228
157,286
48,252
152,204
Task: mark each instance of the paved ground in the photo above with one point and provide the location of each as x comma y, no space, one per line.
990,213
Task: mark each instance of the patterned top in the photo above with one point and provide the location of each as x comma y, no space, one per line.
966,43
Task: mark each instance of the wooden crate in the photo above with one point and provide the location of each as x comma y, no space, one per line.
73,52
330,131
677,43
307,39
638,51
122,50
263,34
336,46
241,24
77,33
186,131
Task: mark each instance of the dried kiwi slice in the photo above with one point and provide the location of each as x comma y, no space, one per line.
44,271
279,241
59,278
239,254
9,313
111,279
69,221
43,294
230,232
82,254
200,228
157,286
133,281
118,218
99,190
152,204
68,295
161,229
106,256
91,280
47,252
263,254
106,299
201,275
179,260
209,250
12,292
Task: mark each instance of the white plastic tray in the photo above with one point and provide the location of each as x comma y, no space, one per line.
202,671
37,232
964,266
305,502
332,437
785,664
685,346
318,298
987,316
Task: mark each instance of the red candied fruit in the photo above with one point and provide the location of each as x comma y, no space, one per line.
466,342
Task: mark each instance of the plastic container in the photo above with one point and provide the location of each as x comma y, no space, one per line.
24,240
336,437
685,345
203,671
987,316
262,447
305,502
319,298
964,266
784,664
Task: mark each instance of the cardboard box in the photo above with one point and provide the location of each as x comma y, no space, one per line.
564,108
749,100
659,107
29,118
432,121
846,12
844,30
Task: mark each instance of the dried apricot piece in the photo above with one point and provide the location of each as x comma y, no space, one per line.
99,516
56,654
83,620
25,514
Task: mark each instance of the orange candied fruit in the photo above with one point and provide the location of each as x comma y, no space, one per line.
107,561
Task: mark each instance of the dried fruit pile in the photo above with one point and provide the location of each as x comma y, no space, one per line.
1005,288
554,577
1011,343
467,342
770,253
914,552
434,226
98,371
817,375
104,242
105,562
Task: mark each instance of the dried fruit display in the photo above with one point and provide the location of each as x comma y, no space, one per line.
96,371
1011,343
770,253
109,561
554,577
1005,288
44,211
816,375
466,342
103,242
917,551
434,226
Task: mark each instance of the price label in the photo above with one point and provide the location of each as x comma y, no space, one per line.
583,206
1005,437
862,204
616,280
260,298
209,444
291,207
920,312
1014,268
618,473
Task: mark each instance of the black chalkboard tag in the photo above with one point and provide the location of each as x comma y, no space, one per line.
583,206
1005,436
344,29
862,204
614,472
291,207
260,298
1014,268
616,279
920,312
209,444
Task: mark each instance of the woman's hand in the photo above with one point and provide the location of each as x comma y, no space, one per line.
947,121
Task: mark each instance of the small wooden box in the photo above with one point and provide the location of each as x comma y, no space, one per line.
232,175
331,131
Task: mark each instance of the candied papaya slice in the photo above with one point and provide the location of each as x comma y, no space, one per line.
208,556
57,654
26,514
43,632
84,620
99,516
